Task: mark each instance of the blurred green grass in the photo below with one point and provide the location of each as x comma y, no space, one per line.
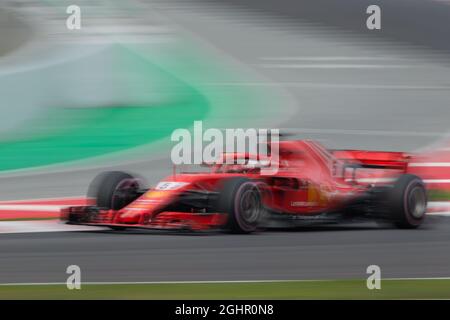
62,134
333,289
99,131
438,195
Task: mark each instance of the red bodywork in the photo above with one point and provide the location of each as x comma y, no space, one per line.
310,180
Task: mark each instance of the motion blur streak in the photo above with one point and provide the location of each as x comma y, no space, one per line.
131,56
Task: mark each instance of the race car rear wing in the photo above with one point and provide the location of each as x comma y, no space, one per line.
373,159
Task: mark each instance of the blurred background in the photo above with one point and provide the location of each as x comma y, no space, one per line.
113,91
108,96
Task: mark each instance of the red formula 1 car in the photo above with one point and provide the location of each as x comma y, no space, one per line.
312,185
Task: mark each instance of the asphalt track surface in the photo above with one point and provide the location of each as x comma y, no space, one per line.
320,253
13,32
379,104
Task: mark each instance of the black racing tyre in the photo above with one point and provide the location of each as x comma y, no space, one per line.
408,202
114,189
241,199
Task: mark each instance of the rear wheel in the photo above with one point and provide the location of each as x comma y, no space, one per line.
241,199
408,202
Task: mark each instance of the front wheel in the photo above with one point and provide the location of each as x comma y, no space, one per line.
241,199
114,189
408,202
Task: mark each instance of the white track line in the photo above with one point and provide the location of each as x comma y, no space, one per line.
336,66
440,214
209,281
434,204
312,85
330,58
378,180
38,226
31,207
429,164
42,199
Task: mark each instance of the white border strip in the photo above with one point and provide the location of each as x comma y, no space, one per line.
41,200
31,207
429,164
